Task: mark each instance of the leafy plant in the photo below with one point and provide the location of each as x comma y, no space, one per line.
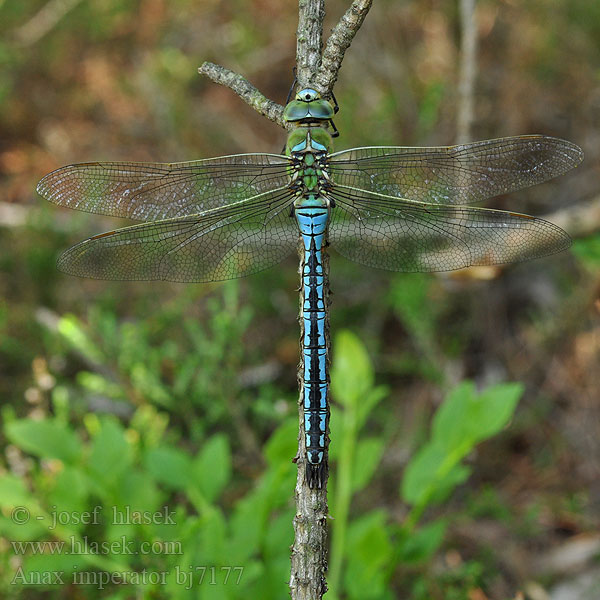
367,550
212,532
161,511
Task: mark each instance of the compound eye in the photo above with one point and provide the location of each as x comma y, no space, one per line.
307,95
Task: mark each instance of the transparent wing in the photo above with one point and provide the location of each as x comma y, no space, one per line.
455,174
153,191
224,243
402,235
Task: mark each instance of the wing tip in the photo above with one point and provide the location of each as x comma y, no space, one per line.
42,188
572,153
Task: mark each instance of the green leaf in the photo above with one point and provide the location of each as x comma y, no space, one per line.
71,328
13,491
279,534
588,250
370,451
369,552
451,425
211,469
111,453
432,474
420,545
138,491
98,384
148,383
368,402
46,439
422,472
465,419
495,407
213,537
446,483
70,492
351,373
282,446
169,466
246,527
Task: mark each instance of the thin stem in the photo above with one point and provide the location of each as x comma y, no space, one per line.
468,69
44,21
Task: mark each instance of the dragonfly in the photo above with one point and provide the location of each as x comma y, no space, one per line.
390,207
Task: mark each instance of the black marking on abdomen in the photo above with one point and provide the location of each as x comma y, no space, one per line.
312,222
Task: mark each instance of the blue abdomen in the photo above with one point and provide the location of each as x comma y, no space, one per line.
312,221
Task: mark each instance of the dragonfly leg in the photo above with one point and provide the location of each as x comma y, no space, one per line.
336,106
335,133
291,92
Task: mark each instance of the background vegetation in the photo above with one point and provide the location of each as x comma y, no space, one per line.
146,395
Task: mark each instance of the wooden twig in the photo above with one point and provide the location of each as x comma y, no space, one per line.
245,90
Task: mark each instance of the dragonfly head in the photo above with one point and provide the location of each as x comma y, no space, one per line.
308,107
308,95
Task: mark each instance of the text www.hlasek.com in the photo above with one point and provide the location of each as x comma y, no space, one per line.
75,545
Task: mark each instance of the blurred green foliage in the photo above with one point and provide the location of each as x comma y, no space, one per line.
175,511
149,395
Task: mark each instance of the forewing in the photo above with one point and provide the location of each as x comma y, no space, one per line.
154,191
224,243
402,235
461,174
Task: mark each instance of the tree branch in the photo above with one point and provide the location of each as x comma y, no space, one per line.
245,90
339,41
309,40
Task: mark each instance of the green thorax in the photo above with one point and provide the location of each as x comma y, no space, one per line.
309,146
308,105
309,114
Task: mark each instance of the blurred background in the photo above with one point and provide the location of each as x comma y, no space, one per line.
158,394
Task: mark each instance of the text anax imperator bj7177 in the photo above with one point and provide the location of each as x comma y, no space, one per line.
395,208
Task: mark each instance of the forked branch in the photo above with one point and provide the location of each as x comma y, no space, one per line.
313,68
